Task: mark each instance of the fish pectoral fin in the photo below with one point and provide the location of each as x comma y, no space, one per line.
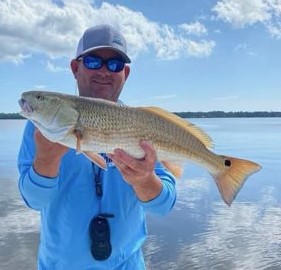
96,158
175,168
231,179
79,135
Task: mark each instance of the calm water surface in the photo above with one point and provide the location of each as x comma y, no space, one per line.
201,232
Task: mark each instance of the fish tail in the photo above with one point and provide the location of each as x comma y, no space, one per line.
233,176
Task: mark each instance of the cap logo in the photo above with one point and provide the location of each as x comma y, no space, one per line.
117,39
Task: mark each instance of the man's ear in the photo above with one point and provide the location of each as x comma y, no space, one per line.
127,71
74,64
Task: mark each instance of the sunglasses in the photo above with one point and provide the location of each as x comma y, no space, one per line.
96,62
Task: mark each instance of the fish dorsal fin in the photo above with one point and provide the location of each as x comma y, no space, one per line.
189,127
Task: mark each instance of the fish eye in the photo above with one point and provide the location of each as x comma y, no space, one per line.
39,97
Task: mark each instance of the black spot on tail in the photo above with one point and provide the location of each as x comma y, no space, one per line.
227,163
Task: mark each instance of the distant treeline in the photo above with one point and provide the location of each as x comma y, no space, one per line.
222,114
10,116
211,114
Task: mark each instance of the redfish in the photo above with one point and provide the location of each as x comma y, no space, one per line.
93,126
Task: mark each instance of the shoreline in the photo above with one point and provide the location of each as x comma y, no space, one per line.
210,114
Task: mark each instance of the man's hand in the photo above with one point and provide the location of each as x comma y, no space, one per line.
48,156
139,172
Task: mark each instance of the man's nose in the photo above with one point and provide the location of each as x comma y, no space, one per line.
103,70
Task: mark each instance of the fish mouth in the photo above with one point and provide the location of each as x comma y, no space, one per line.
25,107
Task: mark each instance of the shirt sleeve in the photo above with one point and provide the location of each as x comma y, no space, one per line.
36,190
164,202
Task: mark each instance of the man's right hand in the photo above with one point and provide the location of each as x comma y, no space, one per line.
48,156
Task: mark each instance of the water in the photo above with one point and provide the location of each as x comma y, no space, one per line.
19,225
201,232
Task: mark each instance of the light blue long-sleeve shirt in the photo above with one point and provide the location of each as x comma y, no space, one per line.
68,202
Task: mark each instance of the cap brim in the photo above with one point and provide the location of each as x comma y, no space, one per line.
122,54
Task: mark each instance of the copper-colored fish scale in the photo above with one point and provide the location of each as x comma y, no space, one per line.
123,127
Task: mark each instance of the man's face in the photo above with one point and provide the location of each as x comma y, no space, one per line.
100,83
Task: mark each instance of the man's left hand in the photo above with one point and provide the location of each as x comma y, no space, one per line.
139,172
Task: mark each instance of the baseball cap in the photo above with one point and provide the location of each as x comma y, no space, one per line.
102,37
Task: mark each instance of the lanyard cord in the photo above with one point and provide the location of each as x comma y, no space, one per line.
98,185
99,190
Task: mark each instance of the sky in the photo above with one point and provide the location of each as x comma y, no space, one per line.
187,55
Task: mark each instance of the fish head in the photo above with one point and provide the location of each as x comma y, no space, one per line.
49,111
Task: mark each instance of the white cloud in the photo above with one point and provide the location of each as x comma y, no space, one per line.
245,236
241,46
196,28
244,47
275,30
241,13
53,68
202,48
18,59
28,27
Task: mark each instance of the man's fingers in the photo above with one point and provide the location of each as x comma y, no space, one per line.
150,153
122,159
148,159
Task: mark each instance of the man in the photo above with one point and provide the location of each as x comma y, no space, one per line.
91,218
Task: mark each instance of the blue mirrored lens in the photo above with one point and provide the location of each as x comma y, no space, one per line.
112,64
115,65
93,62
